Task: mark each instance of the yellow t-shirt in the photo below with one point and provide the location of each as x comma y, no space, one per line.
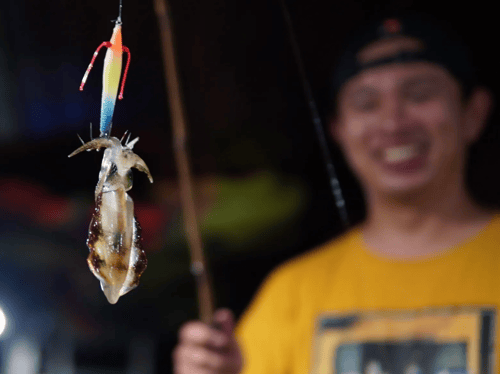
342,309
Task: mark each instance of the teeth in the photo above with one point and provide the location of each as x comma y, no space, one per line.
403,153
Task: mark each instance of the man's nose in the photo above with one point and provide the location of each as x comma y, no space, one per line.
392,118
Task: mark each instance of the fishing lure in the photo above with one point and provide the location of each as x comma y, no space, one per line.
111,74
116,256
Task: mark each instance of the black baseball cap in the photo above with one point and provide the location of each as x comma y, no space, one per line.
438,44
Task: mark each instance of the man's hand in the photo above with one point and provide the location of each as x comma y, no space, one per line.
203,349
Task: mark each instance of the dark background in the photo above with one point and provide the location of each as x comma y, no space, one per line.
248,124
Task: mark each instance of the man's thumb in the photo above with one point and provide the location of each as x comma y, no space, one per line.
224,320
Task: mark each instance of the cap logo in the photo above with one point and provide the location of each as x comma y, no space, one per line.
391,26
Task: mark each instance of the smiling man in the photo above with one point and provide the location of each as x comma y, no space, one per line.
415,288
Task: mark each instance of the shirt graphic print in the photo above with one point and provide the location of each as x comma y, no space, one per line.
452,340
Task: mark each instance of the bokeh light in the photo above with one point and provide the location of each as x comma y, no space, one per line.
3,321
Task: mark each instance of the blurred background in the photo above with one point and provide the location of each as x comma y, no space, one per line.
262,193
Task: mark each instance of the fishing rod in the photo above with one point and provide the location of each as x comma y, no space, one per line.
316,119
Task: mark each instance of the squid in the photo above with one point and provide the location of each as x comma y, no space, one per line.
116,256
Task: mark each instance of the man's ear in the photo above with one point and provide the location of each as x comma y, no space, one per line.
477,112
335,129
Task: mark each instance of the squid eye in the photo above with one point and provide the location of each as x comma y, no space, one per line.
114,170
111,178
129,180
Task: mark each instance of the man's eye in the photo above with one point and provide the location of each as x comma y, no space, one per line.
420,94
364,104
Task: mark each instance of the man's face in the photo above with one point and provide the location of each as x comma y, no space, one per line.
401,126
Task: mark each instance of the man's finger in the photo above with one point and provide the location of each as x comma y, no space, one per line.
198,333
188,368
204,358
224,320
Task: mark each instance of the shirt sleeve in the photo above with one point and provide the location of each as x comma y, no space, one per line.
265,331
